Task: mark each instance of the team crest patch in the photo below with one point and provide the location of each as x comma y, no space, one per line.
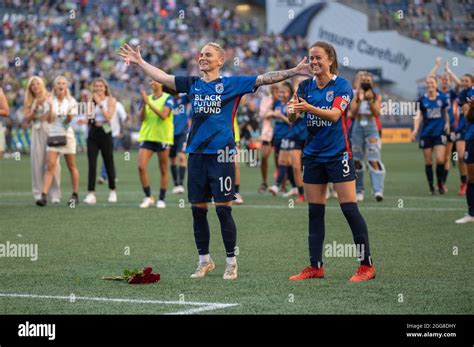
343,105
219,88
330,96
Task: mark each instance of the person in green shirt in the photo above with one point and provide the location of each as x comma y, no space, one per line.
156,135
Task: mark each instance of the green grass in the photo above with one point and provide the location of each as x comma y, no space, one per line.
412,248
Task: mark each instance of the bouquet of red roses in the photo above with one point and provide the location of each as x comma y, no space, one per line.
136,276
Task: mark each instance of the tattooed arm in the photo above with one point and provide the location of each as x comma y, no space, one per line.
278,76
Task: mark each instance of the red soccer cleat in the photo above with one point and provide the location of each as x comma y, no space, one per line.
300,199
364,273
307,273
462,189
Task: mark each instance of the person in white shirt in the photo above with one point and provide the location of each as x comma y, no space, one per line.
61,139
4,112
36,109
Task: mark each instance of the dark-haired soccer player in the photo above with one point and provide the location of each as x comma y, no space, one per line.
433,119
327,157
214,101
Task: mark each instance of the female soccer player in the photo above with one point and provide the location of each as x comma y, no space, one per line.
36,110
100,139
62,107
365,137
433,119
265,112
327,157
214,102
156,136
468,111
286,145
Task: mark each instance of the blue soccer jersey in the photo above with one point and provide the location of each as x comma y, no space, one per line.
213,108
433,113
280,131
326,140
469,135
451,96
298,130
180,115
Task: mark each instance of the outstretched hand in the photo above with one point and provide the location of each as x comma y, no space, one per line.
130,55
302,68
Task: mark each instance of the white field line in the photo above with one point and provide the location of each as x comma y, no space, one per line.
203,306
184,196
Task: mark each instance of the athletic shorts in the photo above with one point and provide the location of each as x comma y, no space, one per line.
459,135
208,178
179,145
469,152
155,146
452,137
276,144
431,141
288,145
335,171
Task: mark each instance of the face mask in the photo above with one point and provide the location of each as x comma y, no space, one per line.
365,86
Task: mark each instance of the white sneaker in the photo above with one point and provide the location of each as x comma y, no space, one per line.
181,189
90,199
378,197
160,204
56,200
360,197
147,202
203,269
328,194
274,190
175,190
230,272
112,196
238,199
291,192
466,219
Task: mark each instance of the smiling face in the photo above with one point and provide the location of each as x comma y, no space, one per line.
100,88
319,61
466,82
445,82
284,94
210,59
431,85
35,87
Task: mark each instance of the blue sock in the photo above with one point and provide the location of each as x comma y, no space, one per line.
470,198
228,229
316,233
291,176
147,191
281,175
182,172
174,173
440,174
359,231
201,229
162,194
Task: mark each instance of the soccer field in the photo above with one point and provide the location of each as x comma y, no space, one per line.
423,260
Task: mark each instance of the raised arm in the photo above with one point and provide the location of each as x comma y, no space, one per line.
451,74
434,70
277,76
133,56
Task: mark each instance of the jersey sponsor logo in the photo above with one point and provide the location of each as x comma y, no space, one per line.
330,96
315,121
219,88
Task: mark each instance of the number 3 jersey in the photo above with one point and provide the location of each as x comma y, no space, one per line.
326,140
213,108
